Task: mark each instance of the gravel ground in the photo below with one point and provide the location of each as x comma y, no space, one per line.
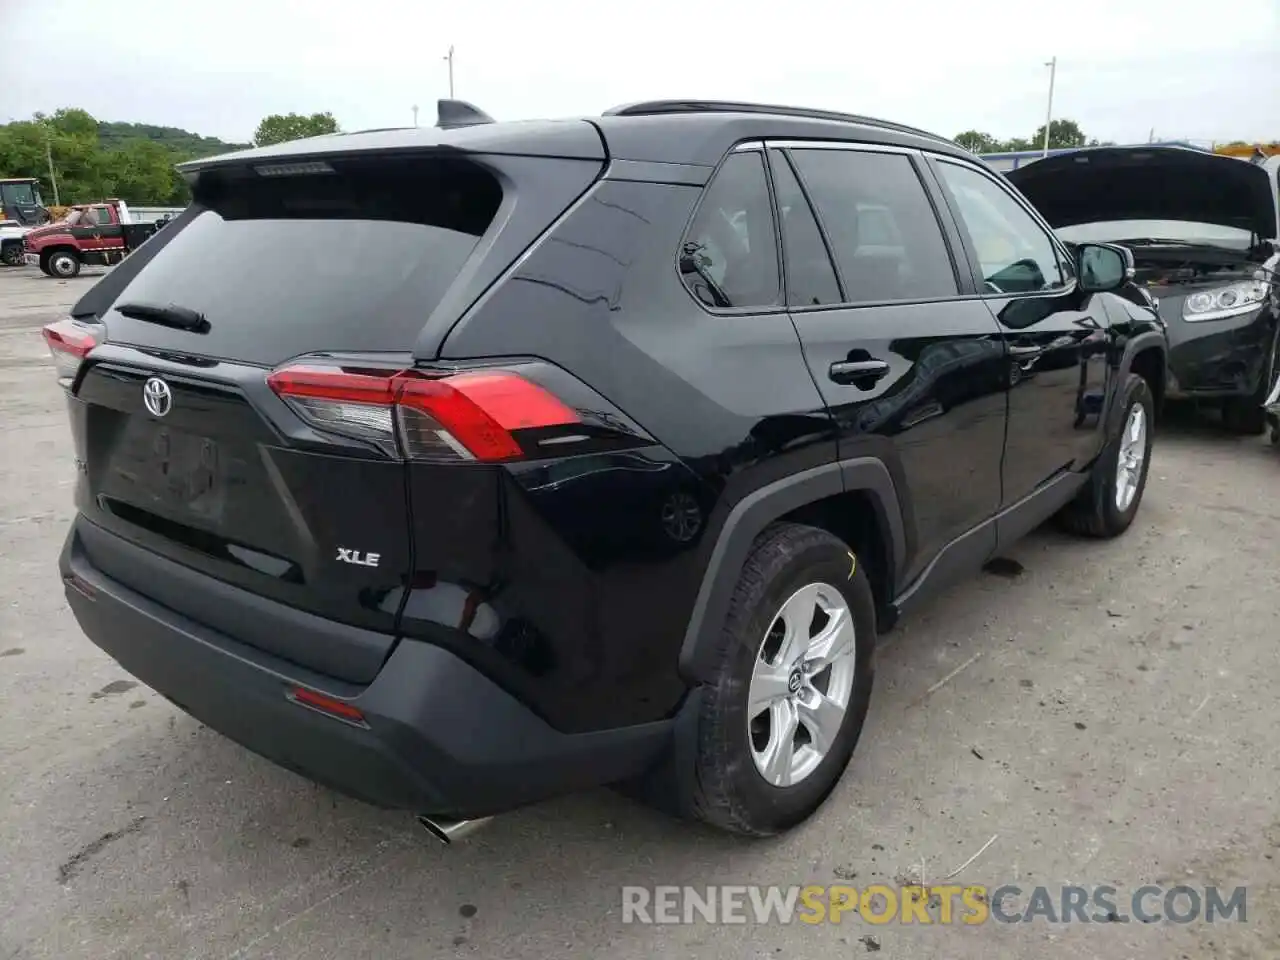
1106,715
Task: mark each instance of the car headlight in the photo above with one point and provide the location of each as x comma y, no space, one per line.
1225,301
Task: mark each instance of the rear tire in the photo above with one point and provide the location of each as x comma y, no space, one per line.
742,785
1109,501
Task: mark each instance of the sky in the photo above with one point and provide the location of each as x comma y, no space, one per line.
1183,69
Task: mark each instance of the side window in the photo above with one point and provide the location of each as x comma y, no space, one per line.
883,231
1015,253
102,214
811,279
729,258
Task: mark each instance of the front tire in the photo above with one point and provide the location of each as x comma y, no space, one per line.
780,722
1109,501
11,255
62,265
1245,416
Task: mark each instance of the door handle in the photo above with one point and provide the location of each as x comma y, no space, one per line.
861,373
1025,357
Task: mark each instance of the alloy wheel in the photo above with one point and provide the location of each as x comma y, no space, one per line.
801,684
1133,451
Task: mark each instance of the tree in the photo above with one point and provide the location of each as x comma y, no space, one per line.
1063,134
143,171
73,122
133,161
975,141
279,128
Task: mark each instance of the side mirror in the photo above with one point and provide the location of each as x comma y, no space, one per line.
1103,267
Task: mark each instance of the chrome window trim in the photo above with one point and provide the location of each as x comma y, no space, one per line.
848,145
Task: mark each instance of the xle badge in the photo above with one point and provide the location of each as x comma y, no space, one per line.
358,558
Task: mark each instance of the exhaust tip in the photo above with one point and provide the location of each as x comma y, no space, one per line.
447,831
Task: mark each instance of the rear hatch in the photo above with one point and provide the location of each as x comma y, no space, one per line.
234,405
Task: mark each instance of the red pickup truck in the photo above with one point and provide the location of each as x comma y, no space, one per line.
93,233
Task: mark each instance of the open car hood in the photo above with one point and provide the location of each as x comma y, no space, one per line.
1149,183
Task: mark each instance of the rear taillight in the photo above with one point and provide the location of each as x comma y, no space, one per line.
69,343
476,415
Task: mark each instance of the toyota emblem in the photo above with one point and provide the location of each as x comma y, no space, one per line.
157,397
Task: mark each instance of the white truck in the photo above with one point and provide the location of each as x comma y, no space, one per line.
11,234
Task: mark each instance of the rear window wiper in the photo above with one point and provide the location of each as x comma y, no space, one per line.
180,318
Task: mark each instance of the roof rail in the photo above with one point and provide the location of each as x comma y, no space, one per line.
459,113
352,133
652,107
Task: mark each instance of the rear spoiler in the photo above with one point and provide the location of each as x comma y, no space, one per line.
460,126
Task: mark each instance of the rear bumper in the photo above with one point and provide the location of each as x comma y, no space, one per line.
440,738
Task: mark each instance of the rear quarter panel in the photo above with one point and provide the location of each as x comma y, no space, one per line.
601,562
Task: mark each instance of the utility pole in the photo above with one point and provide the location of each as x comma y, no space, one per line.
48,155
415,114
449,56
1048,115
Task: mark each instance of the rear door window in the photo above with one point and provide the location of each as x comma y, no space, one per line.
882,228
354,259
811,278
729,257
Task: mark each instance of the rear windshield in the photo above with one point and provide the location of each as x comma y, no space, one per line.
354,258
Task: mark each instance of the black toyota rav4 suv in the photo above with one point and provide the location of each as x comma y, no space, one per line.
457,468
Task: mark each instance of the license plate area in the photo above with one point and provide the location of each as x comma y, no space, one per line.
187,470
174,472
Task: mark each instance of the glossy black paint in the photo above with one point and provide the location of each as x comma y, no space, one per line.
230,484
438,737
936,418
609,308
1057,343
572,580
602,296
